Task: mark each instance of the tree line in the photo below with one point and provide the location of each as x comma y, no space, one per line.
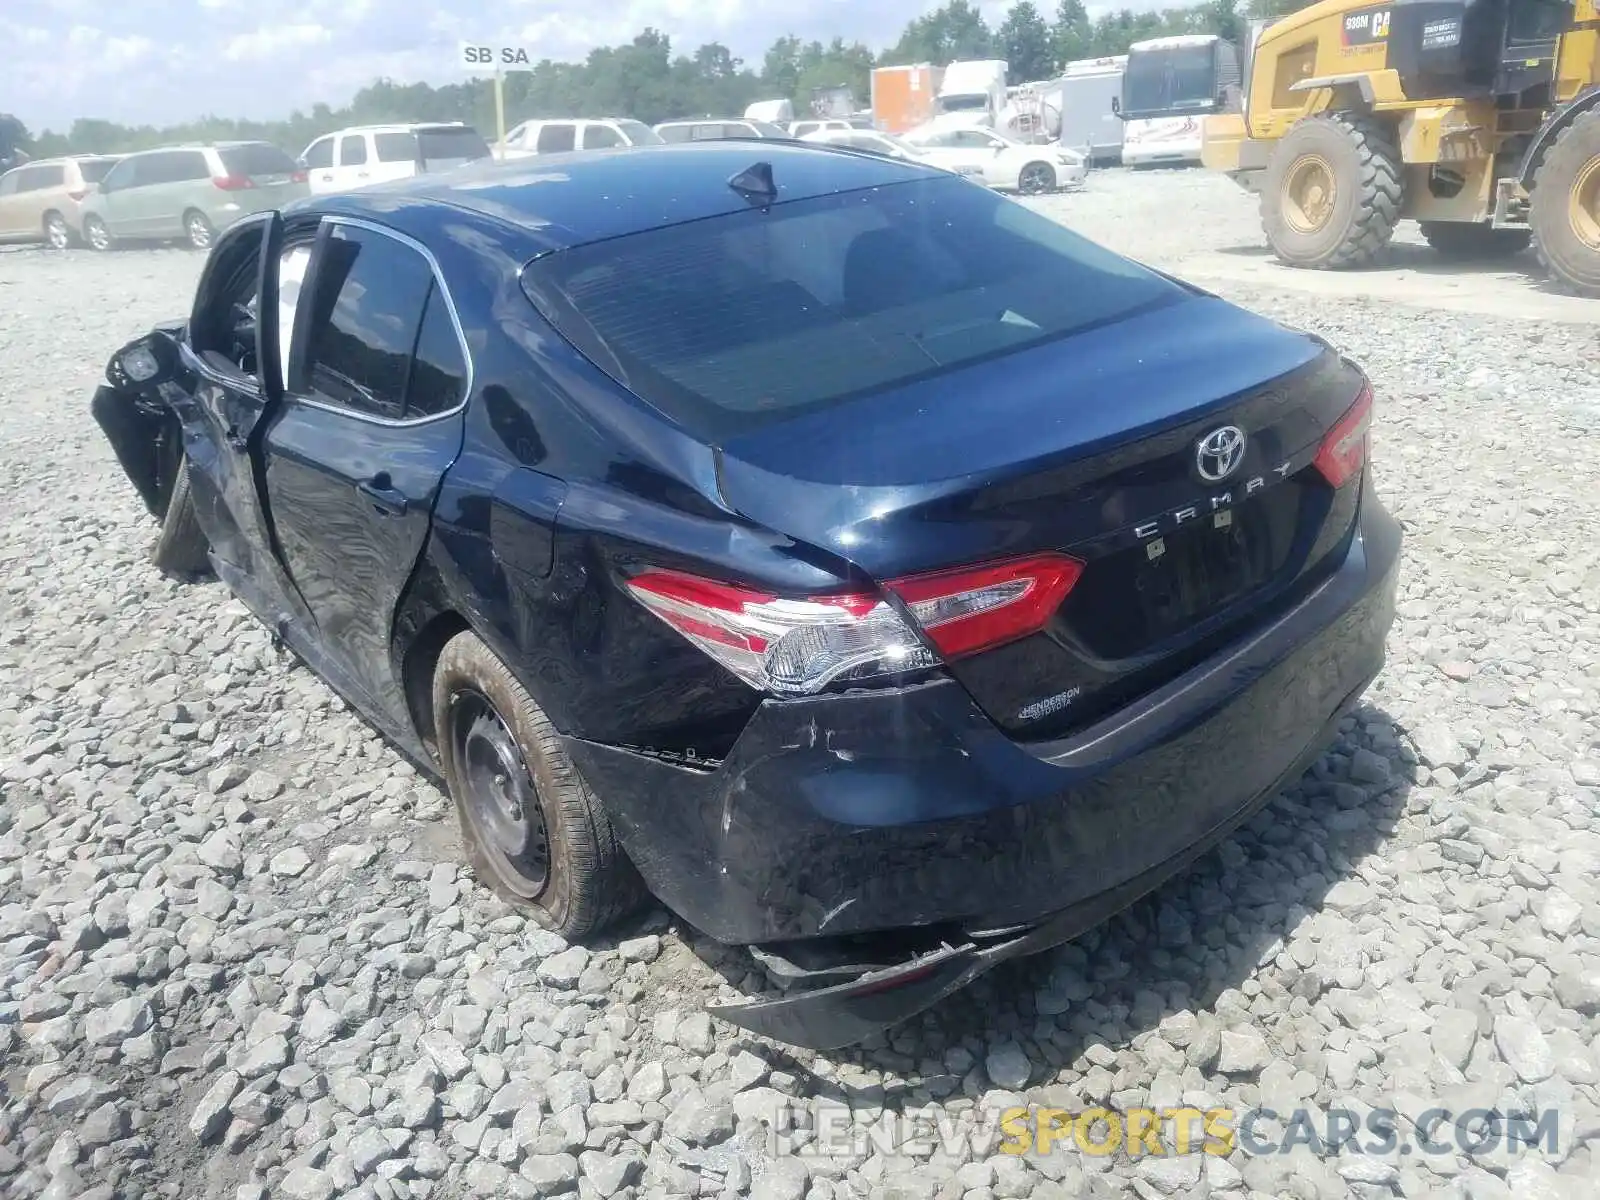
646,80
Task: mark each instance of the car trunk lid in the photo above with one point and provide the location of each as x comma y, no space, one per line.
1087,445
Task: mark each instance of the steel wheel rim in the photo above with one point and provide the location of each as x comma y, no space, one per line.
1033,176
1583,205
499,793
1309,194
199,233
56,233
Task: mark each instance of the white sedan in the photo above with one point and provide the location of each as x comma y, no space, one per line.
1003,163
873,142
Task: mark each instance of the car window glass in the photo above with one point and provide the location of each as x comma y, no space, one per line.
37,179
319,155
451,145
188,165
734,322
395,147
439,372
93,170
22,181
152,169
255,160
638,133
352,150
360,352
555,137
675,133
598,137
120,176
8,182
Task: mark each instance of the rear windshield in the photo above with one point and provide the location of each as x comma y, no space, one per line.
440,144
674,133
94,170
736,322
258,158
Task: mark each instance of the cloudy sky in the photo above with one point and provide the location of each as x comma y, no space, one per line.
160,61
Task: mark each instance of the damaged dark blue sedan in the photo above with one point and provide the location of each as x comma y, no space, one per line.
886,578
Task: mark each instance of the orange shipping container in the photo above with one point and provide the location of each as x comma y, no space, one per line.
903,97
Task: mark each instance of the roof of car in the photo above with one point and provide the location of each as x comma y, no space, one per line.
563,200
397,127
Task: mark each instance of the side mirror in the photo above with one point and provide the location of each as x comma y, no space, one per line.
302,164
1116,106
145,362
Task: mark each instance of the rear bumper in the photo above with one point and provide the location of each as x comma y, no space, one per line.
908,807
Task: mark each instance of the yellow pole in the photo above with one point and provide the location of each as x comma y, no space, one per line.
499,114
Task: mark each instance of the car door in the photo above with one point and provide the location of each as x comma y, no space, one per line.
318,160
107,203
13,202
395,156
226,344
351,169
370,422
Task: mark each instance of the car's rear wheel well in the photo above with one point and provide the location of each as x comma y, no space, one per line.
417,670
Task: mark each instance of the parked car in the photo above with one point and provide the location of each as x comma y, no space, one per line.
41,200
710,131
799,129
885,145
368,154
1014,166
189,192
891,580
558,137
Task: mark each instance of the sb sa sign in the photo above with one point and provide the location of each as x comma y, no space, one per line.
494,57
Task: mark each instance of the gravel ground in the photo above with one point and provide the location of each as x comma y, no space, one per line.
237,957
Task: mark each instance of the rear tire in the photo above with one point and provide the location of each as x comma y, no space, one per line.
96,234
182,550
198,230
57,233
533,830
1461,240
1331,193
1565,207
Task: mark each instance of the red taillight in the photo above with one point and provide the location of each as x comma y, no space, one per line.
77,193
978,608
233,183
800,646
297,176
1344,449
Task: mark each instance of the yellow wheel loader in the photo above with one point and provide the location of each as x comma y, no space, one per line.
1479,119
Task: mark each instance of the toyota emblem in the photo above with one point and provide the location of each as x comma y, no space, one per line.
1219,453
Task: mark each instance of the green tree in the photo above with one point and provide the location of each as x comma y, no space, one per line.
14,139
1073,34
1275,8
1026,44
953,33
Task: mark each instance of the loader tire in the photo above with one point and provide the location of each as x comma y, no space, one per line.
1565,207
181,549
1331,193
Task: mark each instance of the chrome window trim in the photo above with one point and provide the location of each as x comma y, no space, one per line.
455,321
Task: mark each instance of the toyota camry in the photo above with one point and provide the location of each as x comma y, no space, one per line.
881,575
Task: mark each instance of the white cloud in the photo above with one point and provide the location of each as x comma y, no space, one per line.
270,41
163,61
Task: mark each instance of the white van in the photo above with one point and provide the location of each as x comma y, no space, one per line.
368,154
